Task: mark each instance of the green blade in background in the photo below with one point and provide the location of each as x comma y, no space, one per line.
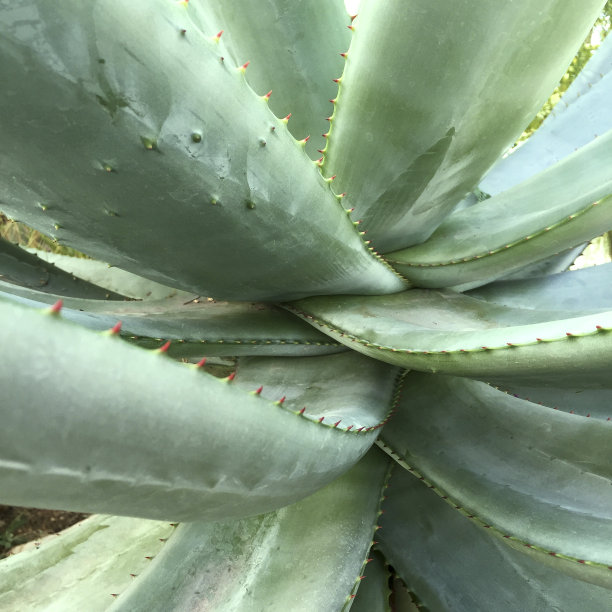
82,567
536,476
374,592
301,65
455,566
582,114
419,86
24,269
562,207
572,290
193,443
306,557
449,333
197,328
141,147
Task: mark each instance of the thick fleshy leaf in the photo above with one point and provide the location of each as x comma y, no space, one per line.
83,567
306,557
197,447
111,278
300,67
582,114
454,565
24,269
449,333
169,166
573,290
553,211
374,592
422,113
196,328
536,476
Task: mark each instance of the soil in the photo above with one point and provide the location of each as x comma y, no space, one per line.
21,525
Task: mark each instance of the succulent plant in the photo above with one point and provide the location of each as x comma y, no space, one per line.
377,320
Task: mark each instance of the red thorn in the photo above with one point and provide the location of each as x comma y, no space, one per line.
164,349
509,344
306,139
245,65
353,17
328,118
331,178
598,327
149,558
320,151
539,340
267,96
337,423
231,376
568,334
321,419
282,399
325,135
343,55
337,80
360,429
218,36
349,428
133,575
287,117
350,27
116,328
114,595
258,392
201,363
333,100
57,307
302,410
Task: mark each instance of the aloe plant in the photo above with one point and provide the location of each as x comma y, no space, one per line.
377,320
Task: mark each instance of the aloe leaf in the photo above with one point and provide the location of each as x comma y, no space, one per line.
572,290
454,565
111,278
535,476
300,67
306,557
143,149
449,333
374,592
19,267
404,91
581,115
82,567
563,206
192,441
196,328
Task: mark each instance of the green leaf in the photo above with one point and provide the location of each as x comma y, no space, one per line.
21,268
196,328
223,200
552,211
454,565
374,592
193,442
449,333
414,77
581,115
300,66
80,568
535,476
308,556
583,289
111,278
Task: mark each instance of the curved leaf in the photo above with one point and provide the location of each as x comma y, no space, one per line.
193,443
196,328
83,567
454,565
306,557
536,476
457,92
163,140
553,211
580,116
449,333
